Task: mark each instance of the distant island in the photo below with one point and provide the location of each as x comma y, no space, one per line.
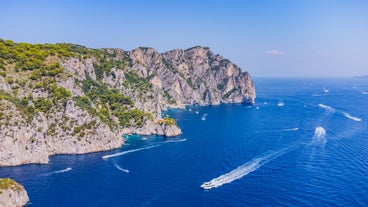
69,99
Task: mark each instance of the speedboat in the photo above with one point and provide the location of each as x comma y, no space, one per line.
207,185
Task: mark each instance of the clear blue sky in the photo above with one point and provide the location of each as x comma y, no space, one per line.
295,38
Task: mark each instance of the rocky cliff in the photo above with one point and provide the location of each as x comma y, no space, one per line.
65,98
194,76
12,194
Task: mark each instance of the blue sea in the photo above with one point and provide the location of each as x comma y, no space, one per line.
303,143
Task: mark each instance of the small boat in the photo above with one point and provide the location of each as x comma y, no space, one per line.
204,117
207,185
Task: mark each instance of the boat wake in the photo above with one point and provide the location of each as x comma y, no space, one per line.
129,151
58,171
279,130
62,171
351,117
280,104
142,148
177,140
328,108
248,167
292,129
204,117
243,170
345,114
319,136
120,168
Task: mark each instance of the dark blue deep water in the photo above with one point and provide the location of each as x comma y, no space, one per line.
304,143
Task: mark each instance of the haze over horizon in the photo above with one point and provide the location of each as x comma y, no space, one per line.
267,38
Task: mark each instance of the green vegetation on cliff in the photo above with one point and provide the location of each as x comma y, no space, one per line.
111,102
21,104
167,121
34,67
30,68
106,61
135,81
25,56
7,183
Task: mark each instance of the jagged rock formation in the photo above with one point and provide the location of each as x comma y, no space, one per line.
12,194
197,76
64,98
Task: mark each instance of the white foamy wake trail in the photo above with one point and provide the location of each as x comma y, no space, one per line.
319,136
143,148
129,151
280,103
58,171
329,108
64,170
177,140
347,115
120,168
351,117
292,129
248,167
204,117
317,143
279,130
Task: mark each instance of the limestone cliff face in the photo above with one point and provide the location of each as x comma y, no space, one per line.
102,94
12,194
195,76
23,143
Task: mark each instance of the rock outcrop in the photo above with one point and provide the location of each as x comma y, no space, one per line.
194,76
12,194
59,133
77,100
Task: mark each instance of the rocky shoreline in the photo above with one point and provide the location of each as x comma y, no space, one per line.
69,99
12,194
80,100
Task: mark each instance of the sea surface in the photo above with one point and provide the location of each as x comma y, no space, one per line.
303,143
